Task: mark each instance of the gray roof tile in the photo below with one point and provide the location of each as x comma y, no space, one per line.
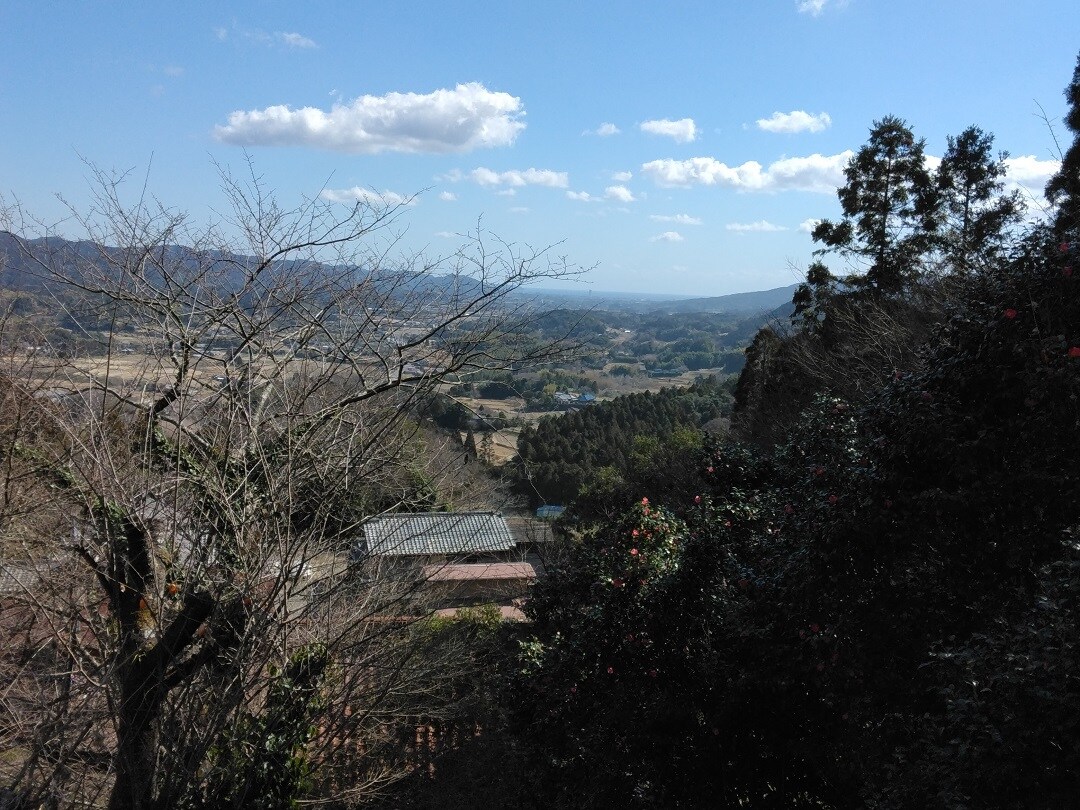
420,533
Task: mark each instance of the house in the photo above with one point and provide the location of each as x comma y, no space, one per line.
461,558
438,536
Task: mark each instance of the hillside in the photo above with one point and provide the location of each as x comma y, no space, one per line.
744,303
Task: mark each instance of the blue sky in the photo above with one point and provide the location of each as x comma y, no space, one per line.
680,147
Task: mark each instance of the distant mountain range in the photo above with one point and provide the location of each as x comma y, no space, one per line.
17,272
776,301
735,304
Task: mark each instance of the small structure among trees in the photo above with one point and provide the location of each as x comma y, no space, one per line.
461,558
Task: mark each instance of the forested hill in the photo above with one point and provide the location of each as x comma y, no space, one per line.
561,455
745,303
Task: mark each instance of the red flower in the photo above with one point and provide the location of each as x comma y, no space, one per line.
697,499
573,690
1074,351
927,396
644,501
1067,271
1064,247
633,552
833,499
611,670
888,503
789,509
815,628
709,470
744,584
652,673
617,583
634,533
819,470
1010,313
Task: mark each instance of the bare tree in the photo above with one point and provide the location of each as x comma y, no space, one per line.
206,638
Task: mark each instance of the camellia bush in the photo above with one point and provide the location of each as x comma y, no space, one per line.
873,613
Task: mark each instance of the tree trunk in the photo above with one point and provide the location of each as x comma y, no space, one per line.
141,695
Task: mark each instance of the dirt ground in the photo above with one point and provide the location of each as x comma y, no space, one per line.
504,445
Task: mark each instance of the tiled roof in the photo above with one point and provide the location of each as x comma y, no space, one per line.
419,533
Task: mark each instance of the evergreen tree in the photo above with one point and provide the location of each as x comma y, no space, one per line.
974,215
1063,190
812,298
885,202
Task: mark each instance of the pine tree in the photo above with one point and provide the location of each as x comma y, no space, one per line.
973,215
885,202
1063,190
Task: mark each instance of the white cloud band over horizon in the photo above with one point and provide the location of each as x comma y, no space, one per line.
465,118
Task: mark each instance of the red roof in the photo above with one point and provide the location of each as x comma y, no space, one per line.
479,572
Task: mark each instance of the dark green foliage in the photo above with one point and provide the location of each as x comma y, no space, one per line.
874,612
561,455
446,413
917,235
879,610
1063,190
884,201
261,761
972,216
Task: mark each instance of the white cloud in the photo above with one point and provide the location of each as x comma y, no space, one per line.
811,7
622,177
519,209
683,131
815,7
468,117
619,193
668,236
447,196
507,192
514,177
681,219
581,196
818,173
808,225
795,121
605,130
1030,172
174,71
367,196
761,226
222,34
294,40
446,234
